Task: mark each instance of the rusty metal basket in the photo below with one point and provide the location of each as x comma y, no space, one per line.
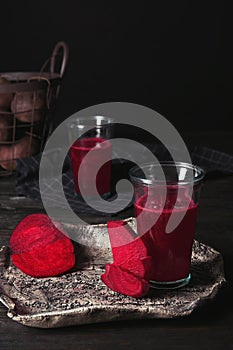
27,102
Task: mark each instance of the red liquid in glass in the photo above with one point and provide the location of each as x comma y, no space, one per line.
101,153
171,252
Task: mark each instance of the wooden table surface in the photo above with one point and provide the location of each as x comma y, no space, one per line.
210,327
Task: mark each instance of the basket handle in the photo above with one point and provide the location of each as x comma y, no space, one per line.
57,58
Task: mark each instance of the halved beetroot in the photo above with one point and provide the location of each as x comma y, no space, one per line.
124,282
34,231
51,260
40,249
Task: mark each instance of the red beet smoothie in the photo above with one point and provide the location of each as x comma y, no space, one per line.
100,152
171,252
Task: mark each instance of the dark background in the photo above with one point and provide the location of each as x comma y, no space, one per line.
172,56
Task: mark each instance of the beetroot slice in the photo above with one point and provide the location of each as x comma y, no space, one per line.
128,255
137,266
130,272
119,233
124,282
122,241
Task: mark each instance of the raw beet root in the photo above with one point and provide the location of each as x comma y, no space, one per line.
40,249
32,232
129,274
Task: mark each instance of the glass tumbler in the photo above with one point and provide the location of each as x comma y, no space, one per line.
93,136
166,198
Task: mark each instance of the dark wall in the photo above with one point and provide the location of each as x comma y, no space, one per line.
172,56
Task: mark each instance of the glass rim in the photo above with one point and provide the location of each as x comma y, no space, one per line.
198,177
90,122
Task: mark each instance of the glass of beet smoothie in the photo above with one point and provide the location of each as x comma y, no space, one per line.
93,139
166,197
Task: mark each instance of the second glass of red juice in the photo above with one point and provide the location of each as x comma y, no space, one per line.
93,139
166,203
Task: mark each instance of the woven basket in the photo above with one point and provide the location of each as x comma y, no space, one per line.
27,102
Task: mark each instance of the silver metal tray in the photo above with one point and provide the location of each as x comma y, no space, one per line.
80,297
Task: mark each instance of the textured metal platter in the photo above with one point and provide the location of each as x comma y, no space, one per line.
80,297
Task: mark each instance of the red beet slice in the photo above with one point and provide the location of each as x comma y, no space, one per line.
120,233
128,255
131,270
124,282
140,267
40,249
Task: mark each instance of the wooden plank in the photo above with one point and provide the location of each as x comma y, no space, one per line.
7,185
